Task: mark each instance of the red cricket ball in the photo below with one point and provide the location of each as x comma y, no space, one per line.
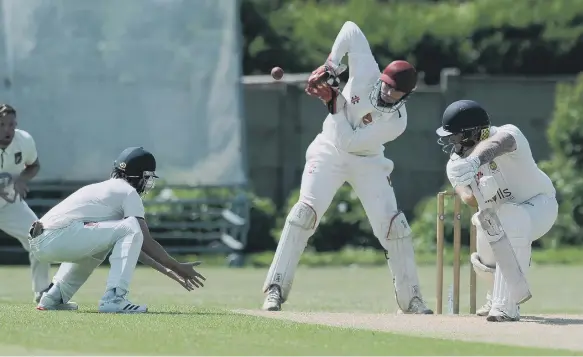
277,73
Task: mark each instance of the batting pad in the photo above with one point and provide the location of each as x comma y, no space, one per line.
401,260
299,227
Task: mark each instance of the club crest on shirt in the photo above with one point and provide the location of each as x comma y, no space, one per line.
18,158
367,119
493,166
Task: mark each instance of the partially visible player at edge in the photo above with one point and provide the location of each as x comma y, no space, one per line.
19,163
368,113
100,218
525,196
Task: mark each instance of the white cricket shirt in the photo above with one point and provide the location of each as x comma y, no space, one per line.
516,173
109,200
13,160
358,127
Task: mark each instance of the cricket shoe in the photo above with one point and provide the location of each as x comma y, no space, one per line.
114,301
48,302
485,309
39,295
498,315
417,306
273,299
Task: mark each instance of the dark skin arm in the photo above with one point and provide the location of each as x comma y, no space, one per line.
147,260
154,250
498,144
21,182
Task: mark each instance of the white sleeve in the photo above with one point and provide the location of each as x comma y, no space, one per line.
378,132
362,66
449,177
29,153
133,205
522,146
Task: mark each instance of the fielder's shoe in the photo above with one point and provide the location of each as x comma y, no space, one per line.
38,296
48,302
499,315
273,299
417,306
114,301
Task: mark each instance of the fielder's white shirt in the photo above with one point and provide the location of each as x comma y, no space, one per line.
516,173
13,160
358,127
109,200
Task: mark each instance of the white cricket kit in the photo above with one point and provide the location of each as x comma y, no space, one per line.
15,215
525,204
82,229
110,200
358,128
350,149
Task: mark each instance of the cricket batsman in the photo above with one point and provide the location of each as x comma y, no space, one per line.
369,112
19,163
102,218
522,196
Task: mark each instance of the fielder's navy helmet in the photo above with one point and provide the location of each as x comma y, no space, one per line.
138,167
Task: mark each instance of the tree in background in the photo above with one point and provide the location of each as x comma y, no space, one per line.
476,36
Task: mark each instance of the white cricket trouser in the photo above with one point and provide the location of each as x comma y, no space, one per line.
523,223
83,246
326,170
15,220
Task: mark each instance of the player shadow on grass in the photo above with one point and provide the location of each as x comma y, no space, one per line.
551,320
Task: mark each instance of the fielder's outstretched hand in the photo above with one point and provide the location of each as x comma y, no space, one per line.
187,284
187,272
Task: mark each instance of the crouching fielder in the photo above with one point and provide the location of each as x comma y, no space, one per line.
369,112
522,195
102,218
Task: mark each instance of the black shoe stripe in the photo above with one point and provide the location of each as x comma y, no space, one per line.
136,307
128,307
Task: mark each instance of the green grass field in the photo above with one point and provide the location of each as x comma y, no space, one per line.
202,322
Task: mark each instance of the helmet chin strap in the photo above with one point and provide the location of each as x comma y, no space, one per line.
464,147
460,148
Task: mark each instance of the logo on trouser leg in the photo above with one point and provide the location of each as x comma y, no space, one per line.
311,168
